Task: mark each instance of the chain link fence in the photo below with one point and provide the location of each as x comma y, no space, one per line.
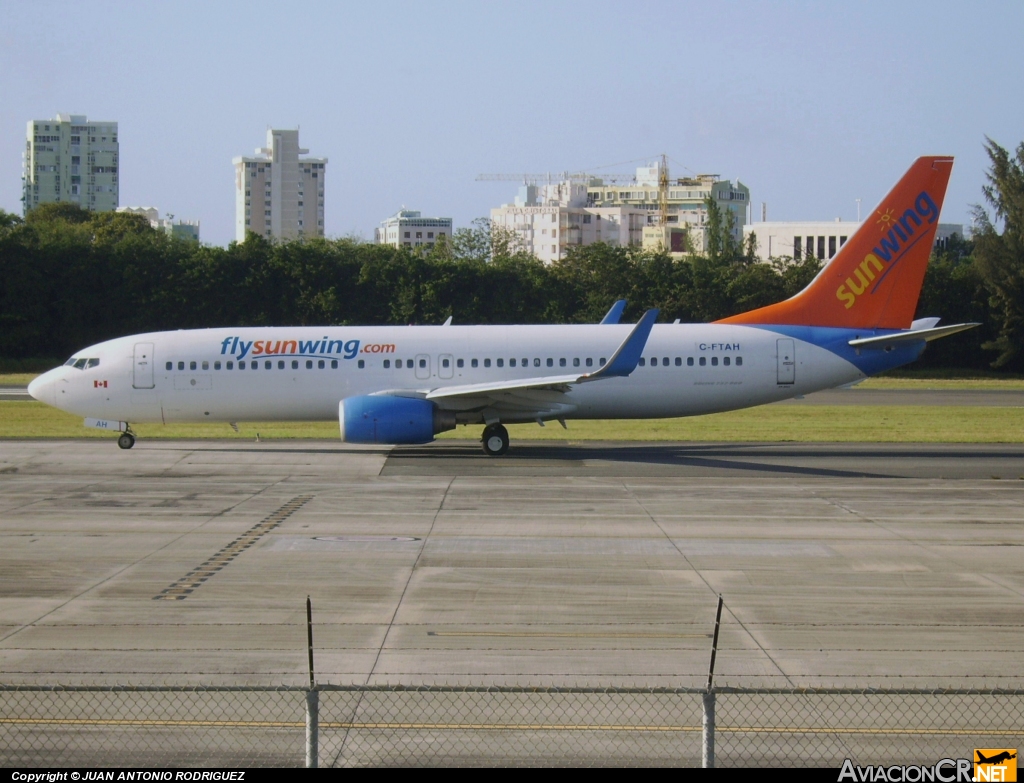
340,726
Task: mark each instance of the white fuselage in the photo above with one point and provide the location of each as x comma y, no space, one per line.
301,373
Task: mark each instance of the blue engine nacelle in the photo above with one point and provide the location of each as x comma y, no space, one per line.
385,419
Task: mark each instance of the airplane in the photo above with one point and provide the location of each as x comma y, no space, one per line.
407,384
999,757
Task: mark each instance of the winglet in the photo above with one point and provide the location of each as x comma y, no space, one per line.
627,355
614,315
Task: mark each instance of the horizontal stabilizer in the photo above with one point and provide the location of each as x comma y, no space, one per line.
912,336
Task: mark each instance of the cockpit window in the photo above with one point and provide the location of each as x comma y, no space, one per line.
70,361
80,364
92,363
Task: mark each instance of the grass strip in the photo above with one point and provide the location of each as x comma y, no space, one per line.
811,423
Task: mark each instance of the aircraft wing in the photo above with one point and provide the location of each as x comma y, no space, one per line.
911,336
622,363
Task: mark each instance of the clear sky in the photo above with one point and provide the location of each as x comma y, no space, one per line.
811,105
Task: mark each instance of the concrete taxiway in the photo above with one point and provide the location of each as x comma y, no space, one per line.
190,562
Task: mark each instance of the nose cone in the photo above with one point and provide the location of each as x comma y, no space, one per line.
44,388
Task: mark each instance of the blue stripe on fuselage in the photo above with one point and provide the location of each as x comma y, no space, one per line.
869,361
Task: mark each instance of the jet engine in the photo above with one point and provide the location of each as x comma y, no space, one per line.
387,419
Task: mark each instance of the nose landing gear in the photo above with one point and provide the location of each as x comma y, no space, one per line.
126,439
495,440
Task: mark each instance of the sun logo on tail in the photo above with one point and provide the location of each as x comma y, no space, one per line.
885,219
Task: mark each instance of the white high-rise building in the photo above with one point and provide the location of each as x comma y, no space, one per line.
71,159
278,194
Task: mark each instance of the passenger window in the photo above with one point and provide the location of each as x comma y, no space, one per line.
725,361
511,362
444,363
387,364
474,363
170,365
334,364
665,362
526,362
536,362
643,362
561,362
206,365
309,364
216,365
487,362
460,363
254,365
92,363
679,362
739,361
241,365
398,364
320,364
231,365
268,365
551,362
181,365
703,361
423,362
295,364
689,361
590,362
280,364
714,361
500,362
602,360
575,362
191,365
362,364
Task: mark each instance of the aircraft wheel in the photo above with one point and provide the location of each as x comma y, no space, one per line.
495,440
126,441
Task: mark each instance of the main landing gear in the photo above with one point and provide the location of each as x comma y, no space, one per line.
126,439
495,440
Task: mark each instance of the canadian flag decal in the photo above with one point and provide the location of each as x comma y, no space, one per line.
99,384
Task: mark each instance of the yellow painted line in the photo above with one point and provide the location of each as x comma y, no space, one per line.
542,634
562,727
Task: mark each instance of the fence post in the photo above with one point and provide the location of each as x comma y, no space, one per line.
707,753
707,750
312,699
312,729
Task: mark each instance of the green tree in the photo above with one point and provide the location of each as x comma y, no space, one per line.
58,210
1000,255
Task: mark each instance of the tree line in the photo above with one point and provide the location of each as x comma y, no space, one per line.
70,278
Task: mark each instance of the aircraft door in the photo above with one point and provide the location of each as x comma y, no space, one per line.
422,366
445,366
786,360
142,371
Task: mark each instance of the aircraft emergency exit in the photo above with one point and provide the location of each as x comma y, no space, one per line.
395,385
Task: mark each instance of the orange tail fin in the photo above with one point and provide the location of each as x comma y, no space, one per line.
875,279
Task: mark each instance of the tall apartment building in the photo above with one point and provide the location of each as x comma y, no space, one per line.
279,194
71,159
408,228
